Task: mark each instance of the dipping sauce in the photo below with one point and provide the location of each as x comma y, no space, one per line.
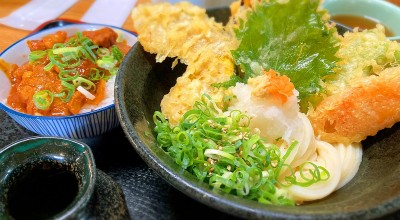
358,21
41,190
396,2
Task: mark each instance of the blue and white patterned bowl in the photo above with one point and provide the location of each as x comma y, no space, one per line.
78,126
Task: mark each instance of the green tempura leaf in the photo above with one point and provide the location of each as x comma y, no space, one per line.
290,38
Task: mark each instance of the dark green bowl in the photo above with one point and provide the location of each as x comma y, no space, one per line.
374,192
33,167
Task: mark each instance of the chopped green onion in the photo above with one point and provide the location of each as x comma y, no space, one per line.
106,62
70,89
93,56
60,95
101,52
73,65
96,74
88,49
85,83
67,85
43,99
94,47
58,45
287,154
221,149
53,58
216,154
63,50
117,53
73,41
68,56
49,66
68,75
114,71
85,53
80,37
36,55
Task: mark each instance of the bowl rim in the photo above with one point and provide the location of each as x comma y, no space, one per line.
21,114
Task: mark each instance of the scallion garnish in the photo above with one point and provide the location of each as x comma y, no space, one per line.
43,99
107,62
63,50
60,95
58,45
117,53
103,52
55,60
68,75
36,55
85,83
70,89
87,43
113,71
96,74
220,148
49,66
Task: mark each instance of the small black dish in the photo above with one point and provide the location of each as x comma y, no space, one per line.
51,177
46,177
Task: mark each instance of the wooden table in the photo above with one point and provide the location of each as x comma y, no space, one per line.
10,35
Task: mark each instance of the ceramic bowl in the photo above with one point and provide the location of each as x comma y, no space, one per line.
55,158
79,126
141,84
383,12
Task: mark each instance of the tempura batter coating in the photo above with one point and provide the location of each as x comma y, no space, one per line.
369,105
186,32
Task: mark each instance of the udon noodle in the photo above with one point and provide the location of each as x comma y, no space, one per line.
275,120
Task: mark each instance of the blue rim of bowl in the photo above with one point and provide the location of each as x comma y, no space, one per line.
9,109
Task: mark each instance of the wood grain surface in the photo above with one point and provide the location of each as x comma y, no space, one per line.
9,35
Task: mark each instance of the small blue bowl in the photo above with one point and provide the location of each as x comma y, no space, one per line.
84,125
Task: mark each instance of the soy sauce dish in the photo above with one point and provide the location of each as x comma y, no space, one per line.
46,177
81,125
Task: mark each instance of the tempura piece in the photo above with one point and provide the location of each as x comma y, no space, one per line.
361,98
362,54
369,105
186,32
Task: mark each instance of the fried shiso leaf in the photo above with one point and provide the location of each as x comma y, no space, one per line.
291,38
